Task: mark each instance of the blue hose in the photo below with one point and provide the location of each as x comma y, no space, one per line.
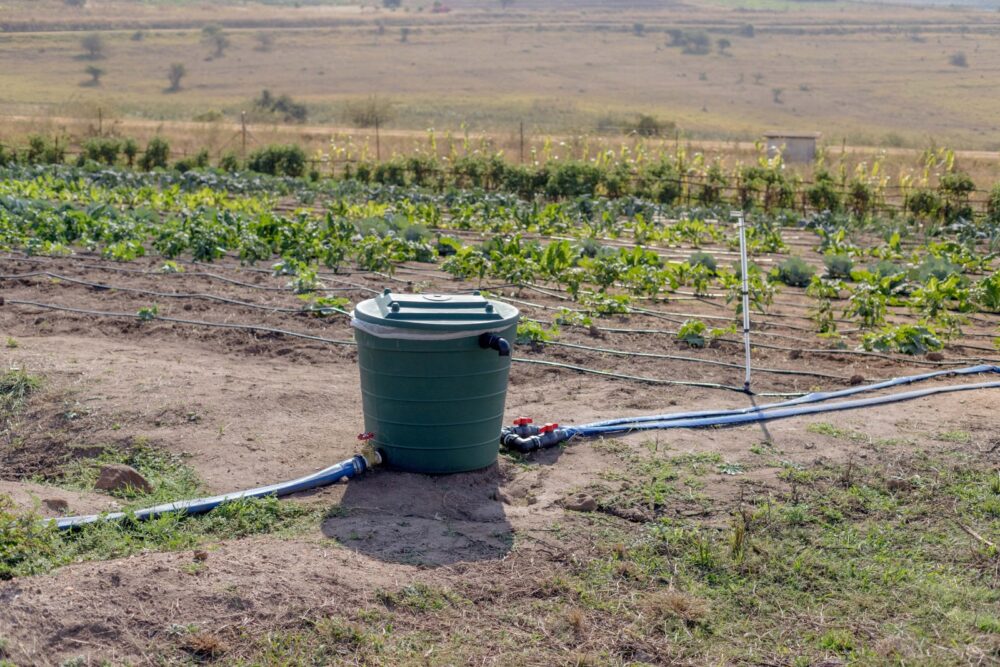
349,468
707,416
769,414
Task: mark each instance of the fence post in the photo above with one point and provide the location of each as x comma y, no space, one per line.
243,135
522,142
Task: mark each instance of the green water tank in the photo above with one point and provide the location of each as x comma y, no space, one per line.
434,371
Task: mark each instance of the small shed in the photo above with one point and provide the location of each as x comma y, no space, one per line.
793,146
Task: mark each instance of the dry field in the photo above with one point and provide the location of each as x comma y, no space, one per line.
870,75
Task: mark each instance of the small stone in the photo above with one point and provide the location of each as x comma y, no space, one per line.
201,556
56,504
857,379
581,502
935,356
118,477
795,354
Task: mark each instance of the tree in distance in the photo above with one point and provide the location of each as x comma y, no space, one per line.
93,45
175,73
214,37
95,73
958,59
392,4
369,112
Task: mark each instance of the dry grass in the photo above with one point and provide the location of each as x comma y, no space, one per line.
868,75
673,604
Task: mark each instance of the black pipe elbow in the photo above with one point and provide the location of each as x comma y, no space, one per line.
492,341
511,440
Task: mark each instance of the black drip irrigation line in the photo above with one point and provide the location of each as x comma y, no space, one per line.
710,362
649,380
254,328
175,320
167,295
195,274
765,346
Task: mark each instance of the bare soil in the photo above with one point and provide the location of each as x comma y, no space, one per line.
246,409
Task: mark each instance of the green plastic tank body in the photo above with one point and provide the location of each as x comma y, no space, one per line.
432,395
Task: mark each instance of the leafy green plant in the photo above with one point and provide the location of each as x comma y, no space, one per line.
532,332
26,542
148,313
604,304
905,338
703,259
795,272
573,318
824,291
692,332
986,292
323,306
761,290
868,304
838,266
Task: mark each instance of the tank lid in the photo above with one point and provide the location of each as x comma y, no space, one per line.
449,312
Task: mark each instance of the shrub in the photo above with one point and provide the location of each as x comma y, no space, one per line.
25,542
993,204
130,149
156,155
199,161
104,151
42,150
93,44
838,266
924,203
278,160
369,112
175,73
823,194
958,59
795,272
703,259
230,162
283,106
573,179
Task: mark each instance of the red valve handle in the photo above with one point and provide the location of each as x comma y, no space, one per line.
548,428
523,421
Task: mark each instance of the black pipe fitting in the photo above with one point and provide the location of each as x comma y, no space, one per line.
492,341
512,440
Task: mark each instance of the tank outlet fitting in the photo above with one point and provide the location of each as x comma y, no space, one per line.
492,341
